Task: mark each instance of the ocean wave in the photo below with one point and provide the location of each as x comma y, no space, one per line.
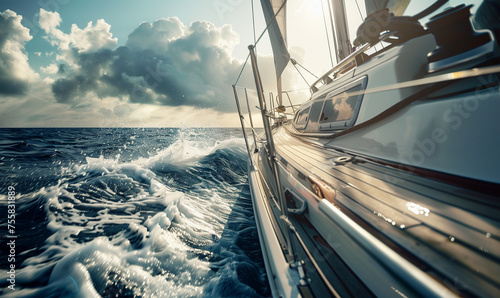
173,222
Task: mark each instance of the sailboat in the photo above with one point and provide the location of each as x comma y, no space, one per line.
386,181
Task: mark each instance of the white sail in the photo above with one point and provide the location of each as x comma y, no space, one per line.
397,7
277,32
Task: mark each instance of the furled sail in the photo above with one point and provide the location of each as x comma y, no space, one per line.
277,32
397,7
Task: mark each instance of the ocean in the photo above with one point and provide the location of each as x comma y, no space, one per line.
127,212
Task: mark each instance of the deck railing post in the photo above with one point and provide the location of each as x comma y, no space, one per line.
251,121
271,103
271,148
243,126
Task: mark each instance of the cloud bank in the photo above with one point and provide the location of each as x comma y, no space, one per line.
15,71
165,63
166,73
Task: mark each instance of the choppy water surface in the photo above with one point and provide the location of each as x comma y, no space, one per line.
125,212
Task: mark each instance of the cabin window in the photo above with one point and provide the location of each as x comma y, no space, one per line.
301,120
317,106
340,109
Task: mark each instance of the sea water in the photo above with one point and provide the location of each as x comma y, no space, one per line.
127,212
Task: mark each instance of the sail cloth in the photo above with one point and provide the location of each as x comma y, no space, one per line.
397,7
277,33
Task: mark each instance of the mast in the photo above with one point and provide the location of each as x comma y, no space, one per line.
344,47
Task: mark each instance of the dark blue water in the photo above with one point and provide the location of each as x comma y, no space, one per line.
128,212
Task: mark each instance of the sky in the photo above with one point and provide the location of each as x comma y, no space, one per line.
118,63
152,63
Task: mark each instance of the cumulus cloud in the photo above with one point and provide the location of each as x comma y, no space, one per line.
15,71
49,21
50,69
155,36
93,37
89,39
165,63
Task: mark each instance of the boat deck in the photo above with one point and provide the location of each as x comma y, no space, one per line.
448,231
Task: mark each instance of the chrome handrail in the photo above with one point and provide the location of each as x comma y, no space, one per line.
325,79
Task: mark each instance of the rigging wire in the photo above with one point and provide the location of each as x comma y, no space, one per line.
263,32
255,43
301,74
296,90
326,32
242,68
333,33
253,23
359,10
295,62
270,22
254,30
